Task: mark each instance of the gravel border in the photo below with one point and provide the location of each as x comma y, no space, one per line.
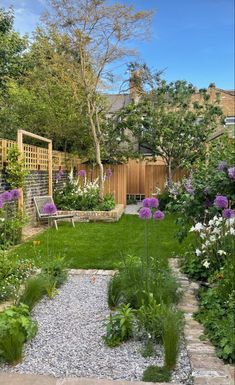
69,343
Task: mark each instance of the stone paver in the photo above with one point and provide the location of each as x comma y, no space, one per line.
28,379
207,369
133,209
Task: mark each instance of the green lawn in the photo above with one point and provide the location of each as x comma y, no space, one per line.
102,245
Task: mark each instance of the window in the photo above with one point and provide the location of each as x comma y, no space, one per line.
229,120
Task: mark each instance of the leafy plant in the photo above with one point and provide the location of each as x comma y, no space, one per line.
156,374
15,170
149,318
172,322
34,291
119,326
16,327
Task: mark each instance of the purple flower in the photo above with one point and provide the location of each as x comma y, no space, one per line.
1,203
231,172
109,172
15,194
154,202
158,215
145,213
81,173
6,196
221,202
147,202
59,175
49,208
189,188
222,165
228,213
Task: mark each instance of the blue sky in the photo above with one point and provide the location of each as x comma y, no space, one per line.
192,39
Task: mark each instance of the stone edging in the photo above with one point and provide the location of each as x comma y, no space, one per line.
91,272
103,216
207,368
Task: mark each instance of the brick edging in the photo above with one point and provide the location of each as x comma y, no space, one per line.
207,368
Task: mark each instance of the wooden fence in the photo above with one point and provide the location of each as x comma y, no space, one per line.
115,184
156,176
36,158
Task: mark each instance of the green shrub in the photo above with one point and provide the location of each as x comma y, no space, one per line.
34,291
12,275
148,349
55,270
156,374
149,319
119,327
16,327
172,322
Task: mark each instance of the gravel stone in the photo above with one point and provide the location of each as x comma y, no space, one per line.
69,339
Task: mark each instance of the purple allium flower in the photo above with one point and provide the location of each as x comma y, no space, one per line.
145,213
49,208
221,202
231,172
109,172
81,173
15,194
158,215
228,213
147,202
6,196
222,165
1,203
154,202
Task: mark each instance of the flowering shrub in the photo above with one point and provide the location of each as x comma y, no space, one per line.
11,221
80,194
12,275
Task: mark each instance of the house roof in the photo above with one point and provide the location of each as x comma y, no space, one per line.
118,101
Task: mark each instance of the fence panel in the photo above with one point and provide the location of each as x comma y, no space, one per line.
156,176
116,184
136,177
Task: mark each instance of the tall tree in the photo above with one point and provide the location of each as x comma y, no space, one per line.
173,120
98,34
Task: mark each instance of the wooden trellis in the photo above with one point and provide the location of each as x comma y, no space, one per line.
30,154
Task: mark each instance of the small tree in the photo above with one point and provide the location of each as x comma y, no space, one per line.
98,34
172,120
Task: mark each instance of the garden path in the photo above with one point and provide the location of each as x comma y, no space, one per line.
133,209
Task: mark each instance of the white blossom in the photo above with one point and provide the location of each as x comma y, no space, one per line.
221,252
206,264
198,252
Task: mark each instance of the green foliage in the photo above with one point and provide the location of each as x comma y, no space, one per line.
135,281
55,271
150,319
12,275
119,327
15,170
156,374
34,291
217,312
16,327
11,223
172,324
148,350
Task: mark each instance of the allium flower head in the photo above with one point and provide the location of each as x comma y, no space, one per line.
109,172
222,165
145,213
15,194
49,208
6,196
147,202
231,172
158,215
228,213
154,202
221,202
81,173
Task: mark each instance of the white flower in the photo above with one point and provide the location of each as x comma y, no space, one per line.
212,238
221,252
199,226
216,231
232,231
198,252
203,235
206,264
192,229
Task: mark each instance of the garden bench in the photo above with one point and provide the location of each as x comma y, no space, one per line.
40,202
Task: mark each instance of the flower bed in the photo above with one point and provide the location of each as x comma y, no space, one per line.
93,216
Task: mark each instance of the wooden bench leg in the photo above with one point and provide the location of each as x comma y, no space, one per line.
55,223
72,221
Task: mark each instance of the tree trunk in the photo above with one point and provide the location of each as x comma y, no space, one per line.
169,173
97,155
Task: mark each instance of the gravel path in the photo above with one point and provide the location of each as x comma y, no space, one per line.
133,208
69,343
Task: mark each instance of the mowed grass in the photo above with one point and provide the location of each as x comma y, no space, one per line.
103,245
